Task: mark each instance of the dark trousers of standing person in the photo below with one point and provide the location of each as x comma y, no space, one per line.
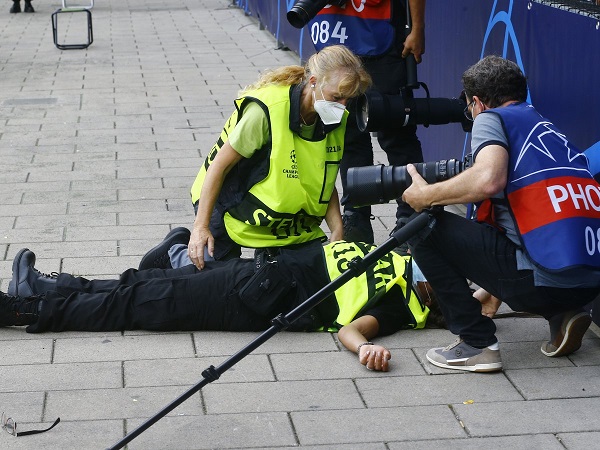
458,249
16,7
154,299
400,144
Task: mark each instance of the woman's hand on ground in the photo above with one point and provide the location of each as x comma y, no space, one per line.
374,357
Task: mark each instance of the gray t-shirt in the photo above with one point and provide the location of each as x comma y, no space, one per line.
487,130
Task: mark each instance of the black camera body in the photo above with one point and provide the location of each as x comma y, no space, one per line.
304,11
371,185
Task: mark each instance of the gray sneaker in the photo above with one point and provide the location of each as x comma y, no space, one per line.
461,356
566,338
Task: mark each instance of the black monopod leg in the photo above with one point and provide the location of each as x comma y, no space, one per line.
281,322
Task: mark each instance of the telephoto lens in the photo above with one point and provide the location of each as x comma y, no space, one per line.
377,111
304,11
372,185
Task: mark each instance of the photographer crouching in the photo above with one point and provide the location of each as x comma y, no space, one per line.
535,243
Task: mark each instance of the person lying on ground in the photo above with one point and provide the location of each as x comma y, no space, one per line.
228,295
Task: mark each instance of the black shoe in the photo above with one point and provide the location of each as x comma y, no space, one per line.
566,333
158,257
16,7
27,281
17,311
357,227
28,8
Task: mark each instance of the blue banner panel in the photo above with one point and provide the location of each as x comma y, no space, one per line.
558,50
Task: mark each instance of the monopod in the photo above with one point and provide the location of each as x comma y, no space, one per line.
355,268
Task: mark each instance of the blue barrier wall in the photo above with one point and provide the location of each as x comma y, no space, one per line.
558,50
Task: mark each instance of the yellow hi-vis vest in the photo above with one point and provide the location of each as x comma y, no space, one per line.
364,291
287,203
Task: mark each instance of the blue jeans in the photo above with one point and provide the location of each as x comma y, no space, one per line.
458,249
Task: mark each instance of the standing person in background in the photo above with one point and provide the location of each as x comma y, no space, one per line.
269,181
16,7
375,30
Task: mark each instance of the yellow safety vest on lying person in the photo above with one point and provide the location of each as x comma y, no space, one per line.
362,292
279,196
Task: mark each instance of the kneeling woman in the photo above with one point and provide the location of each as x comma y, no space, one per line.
226,296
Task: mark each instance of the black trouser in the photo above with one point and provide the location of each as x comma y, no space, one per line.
155,299
400,144
459,249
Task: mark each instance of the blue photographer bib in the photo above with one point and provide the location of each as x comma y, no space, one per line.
551,194
365,27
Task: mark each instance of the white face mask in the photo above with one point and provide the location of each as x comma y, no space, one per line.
330,112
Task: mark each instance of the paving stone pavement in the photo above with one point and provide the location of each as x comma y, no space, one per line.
98,149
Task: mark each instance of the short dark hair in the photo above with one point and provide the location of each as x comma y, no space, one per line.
495,80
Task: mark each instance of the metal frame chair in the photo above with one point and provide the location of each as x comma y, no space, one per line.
90,34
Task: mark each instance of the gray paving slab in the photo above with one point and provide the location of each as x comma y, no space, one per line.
65,220
312,395
428,390
217,432
360,446
376,425
558,382
66,435
579,441
98,266
98,150
188,371
105,404
531,417
46,377
119,348
224,343
536,441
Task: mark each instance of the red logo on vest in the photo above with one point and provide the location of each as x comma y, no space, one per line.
555,199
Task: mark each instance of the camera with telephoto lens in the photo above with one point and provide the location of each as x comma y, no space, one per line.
304,11
376,111
371,185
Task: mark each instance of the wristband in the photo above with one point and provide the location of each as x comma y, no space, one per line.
360,345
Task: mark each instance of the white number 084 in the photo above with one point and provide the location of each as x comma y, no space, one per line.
592,240
319,32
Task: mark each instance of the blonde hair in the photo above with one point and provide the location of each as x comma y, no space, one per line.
330,63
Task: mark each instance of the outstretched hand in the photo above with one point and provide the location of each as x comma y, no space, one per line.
374,357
